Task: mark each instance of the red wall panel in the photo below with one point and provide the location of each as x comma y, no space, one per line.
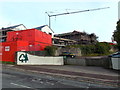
24,40
37,46
42,37
29,35
8,53
32,36
9,49
23,35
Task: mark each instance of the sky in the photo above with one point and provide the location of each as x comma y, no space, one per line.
32,14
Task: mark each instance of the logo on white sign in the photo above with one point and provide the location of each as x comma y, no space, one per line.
23,57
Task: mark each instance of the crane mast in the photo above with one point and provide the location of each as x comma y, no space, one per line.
72,13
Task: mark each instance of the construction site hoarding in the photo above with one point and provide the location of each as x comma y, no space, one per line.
8,49
24,40
30,35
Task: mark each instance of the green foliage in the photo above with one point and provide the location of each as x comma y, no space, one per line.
87,49
93,50
102,48
6,62
116,34
50,50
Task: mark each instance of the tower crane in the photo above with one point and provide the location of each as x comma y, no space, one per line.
72,13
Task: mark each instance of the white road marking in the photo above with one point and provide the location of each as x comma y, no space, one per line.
20,85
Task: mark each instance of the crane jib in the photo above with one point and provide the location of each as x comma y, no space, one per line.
77,12
73,13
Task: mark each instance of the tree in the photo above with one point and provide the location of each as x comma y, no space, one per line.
116,34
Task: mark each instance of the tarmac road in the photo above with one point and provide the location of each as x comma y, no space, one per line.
14,78
20,79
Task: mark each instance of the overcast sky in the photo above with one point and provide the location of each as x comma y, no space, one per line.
31,13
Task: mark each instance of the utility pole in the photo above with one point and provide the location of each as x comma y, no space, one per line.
72,13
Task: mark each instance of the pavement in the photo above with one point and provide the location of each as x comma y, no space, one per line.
80,73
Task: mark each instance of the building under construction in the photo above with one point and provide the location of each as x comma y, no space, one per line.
77,37
74,37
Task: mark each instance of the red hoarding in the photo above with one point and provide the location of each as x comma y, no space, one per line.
24,40
8,49
29,35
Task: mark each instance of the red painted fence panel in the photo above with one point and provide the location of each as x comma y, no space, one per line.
8,49
24,40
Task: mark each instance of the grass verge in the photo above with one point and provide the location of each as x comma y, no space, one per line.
6,62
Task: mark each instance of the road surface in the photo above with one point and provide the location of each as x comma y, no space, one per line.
14,78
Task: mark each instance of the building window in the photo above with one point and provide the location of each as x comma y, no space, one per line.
50,33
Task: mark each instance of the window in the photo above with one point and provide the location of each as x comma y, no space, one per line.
50,33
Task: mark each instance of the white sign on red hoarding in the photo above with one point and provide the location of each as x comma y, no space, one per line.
7,48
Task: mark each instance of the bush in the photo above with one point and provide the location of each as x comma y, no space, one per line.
50,50
87,49
97,49
102,48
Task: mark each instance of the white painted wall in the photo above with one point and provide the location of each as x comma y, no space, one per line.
21,27
39,60
47,30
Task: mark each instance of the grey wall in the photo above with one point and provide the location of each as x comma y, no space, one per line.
73,61
89,61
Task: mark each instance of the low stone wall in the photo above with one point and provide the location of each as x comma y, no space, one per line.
90,61
73,61
94,61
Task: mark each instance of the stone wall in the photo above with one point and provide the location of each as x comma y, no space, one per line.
73,61
89,61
